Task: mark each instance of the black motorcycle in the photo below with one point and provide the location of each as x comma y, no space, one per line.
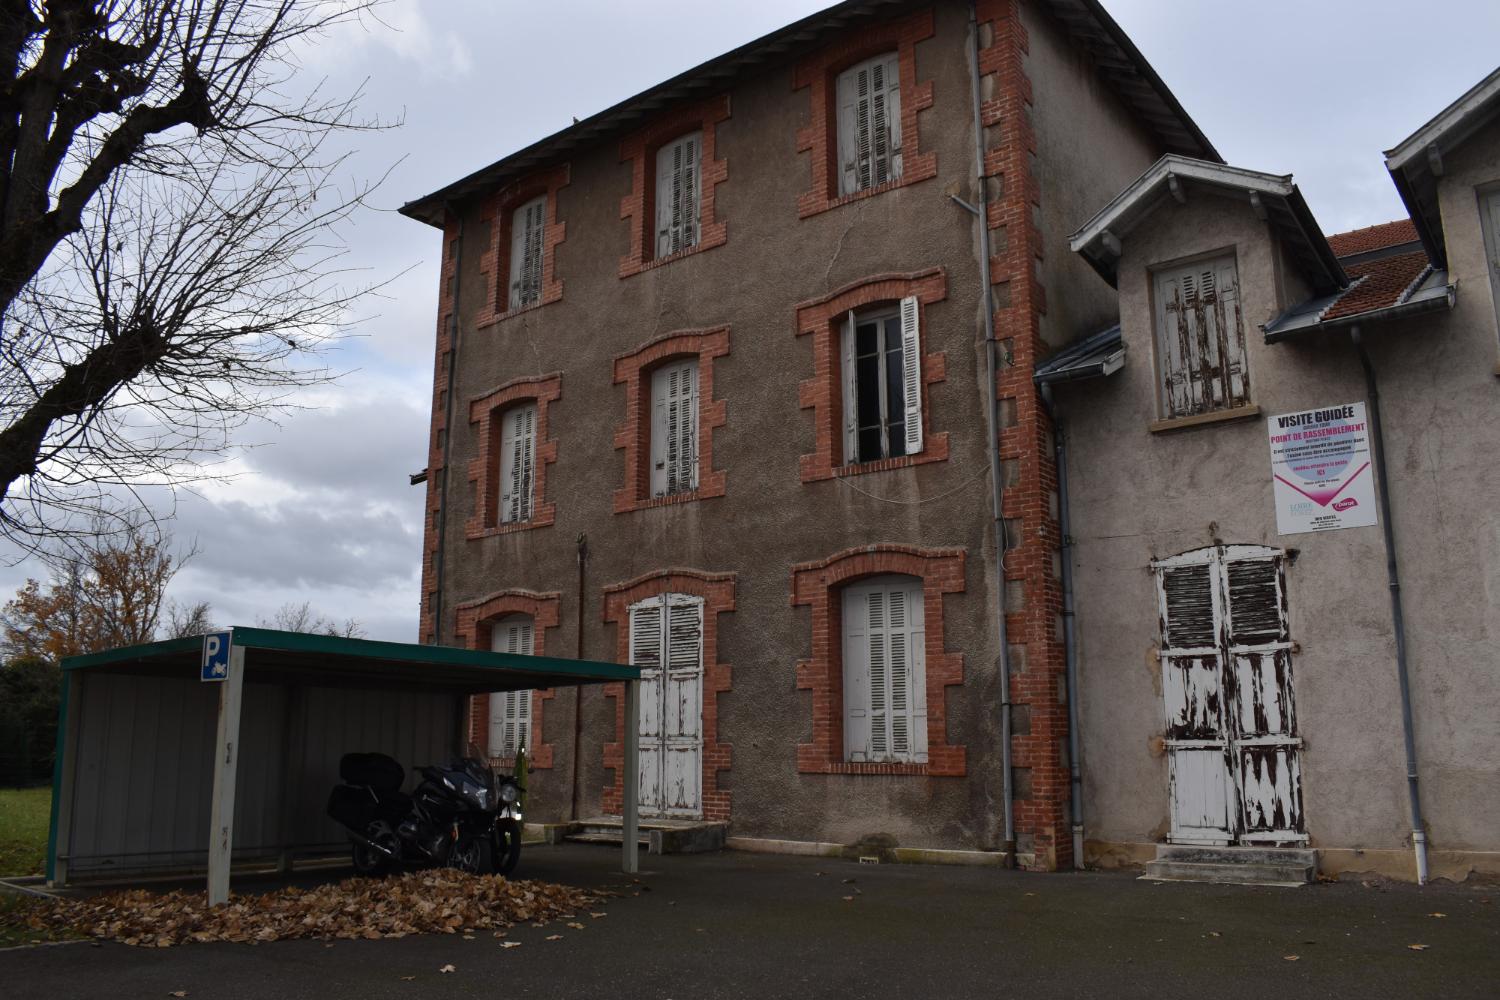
462,814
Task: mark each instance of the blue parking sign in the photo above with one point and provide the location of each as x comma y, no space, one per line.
216,656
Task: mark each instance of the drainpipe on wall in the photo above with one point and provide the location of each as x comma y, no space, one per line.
583,560
1070,636
992,390
1398,622
442,483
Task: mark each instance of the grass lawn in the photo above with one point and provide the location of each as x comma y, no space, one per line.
24,815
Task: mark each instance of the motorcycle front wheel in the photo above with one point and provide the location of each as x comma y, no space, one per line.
507,846
475,855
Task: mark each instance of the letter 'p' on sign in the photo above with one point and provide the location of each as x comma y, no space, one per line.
215,656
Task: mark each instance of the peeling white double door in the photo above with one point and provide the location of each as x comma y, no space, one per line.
666,642
1231,735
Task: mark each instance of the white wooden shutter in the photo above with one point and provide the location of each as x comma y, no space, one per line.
674,429
646,634
527,227
518,464
510,711
1200,336
869,124
911,374
678,194
682,701
851,394
885,696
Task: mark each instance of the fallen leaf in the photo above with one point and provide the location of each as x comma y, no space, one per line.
178,993
1437,914
447,968
468,937
575,925
1214,934
1291,958
554,937
407,979
848,899
1418,947
848,881
596,916
510,944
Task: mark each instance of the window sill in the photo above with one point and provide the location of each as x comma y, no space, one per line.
489,321
924,169
717,238
870,768
1200,419
705,491
935,451
543,519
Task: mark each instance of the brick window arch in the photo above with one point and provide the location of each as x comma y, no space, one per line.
823,318
488,412
475,621
633,437
494,263
820,585
639,207
717,592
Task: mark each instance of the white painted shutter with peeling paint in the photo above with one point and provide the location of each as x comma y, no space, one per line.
527,227
517,463
510,711
869,124
851,392
885,688
1492,239
911,374
678,194
674,428
666,642
1200,338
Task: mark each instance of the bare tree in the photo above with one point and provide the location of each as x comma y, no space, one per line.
185,620
303,618
169,249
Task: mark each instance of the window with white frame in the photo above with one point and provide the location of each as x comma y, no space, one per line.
678,194
869,124
518,463
882,370
1200,338
528,225
510,711
885,671
674,428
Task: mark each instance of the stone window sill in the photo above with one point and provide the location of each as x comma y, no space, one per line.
1200,419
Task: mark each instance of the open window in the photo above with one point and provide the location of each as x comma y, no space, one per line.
882,372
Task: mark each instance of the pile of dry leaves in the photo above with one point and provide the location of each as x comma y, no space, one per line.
439,901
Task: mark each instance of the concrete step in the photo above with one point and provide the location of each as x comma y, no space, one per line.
1240,873
1235,854
658,836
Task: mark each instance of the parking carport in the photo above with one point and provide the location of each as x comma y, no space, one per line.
160,770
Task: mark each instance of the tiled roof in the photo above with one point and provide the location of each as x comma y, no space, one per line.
1377,284
1387,234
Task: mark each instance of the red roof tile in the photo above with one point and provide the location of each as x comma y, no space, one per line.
1387,234
1377,284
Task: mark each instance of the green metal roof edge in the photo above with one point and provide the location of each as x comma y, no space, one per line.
126,653
374,649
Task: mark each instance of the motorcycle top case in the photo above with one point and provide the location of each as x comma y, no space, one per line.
376,770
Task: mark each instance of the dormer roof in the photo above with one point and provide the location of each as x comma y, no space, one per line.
1173,178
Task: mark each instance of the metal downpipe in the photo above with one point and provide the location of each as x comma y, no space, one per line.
1398,621
1070,636
992,391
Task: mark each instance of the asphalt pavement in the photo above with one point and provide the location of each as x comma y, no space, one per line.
734,925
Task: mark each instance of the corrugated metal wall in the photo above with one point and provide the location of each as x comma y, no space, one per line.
142,790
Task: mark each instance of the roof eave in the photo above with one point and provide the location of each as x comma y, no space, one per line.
1436,299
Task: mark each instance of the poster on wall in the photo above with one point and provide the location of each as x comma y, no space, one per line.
1320,467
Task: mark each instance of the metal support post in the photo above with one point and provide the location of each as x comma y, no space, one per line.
631,807
226,761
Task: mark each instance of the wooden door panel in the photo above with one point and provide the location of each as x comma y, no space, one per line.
1271,792
1203,805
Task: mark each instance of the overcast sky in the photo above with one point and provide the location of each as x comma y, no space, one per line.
322,511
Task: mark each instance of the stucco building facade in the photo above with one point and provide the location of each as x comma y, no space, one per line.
715,381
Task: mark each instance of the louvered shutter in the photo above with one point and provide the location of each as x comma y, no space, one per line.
678,194
1200,335
528,225
885,673
646,633
1492,218
674,429
510,711
518,464
869,124
911,374
851,394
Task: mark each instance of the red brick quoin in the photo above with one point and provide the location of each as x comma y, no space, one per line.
824,392
639,207
820,585
717,591
819,74
475,620
427,627
484,469
494,263
634,435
